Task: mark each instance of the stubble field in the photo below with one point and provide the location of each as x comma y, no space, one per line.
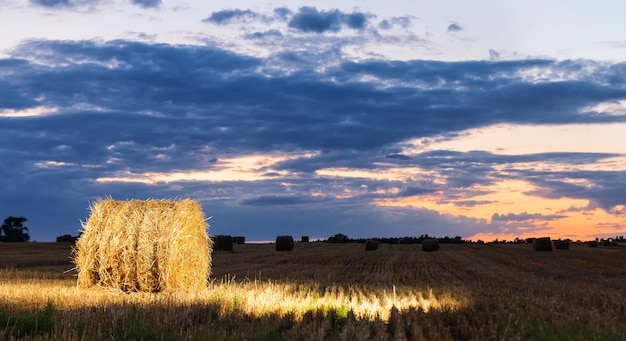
323,291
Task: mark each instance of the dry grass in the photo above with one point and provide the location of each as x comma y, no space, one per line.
144,245
337,291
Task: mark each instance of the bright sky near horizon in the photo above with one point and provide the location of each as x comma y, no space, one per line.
483,119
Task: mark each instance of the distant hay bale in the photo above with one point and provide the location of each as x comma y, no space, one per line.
66,238
561,244
304,239
371,245
144,245
239,240
542,244
284,243
593,243
222,243
403,241
430,245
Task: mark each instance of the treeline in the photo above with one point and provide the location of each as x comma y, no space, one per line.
342,238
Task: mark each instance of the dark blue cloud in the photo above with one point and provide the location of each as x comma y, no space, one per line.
147,3
356,21
271,34
52,3
411,191
309,19
398,156
273,200
60,4
454,28
226,16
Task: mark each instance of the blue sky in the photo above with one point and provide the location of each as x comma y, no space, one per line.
486,121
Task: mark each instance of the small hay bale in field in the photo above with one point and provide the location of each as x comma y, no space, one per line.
222,243
66,238
430,245
304,239
561,244
542,244
284,243
403,241
371,245
593,243
144,245
239,240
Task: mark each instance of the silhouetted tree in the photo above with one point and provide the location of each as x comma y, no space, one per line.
13,230
339,238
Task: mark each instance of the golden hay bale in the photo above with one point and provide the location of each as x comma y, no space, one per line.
144,245
430,245
222,243
542,244
561,244
284,243
371,245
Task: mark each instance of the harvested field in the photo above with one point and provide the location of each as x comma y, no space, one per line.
337,291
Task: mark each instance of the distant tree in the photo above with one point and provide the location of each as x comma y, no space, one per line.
339,238
13,230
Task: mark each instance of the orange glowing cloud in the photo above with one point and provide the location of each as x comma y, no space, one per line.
245,168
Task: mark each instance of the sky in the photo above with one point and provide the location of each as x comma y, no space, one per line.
484,119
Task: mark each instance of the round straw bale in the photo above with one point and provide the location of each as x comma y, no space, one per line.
592,243
239,240
371,245
430,245
222,243
144,245
304,239
561,244
284,243
542,244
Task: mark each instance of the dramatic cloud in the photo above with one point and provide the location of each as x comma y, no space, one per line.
269,144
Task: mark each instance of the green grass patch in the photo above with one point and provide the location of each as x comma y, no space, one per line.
29,323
